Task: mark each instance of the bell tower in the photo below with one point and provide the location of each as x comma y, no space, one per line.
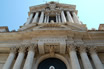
55,14
53,37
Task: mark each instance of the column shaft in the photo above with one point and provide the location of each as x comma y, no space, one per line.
85,59
10,59
29,19
63,17
74,59
75,18
56,18
41,17
35,17
19,59
29,60
69,17
96,60
47,18
59,18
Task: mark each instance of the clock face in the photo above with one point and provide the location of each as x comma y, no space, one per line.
52,63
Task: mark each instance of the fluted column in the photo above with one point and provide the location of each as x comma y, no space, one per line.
73,57
30,58
63,17
10,59
98,64
19,59
69,17
85,59
29,19
75,18
35,17
41,17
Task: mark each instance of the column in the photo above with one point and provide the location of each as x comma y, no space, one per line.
10,59
41,17
19,59
73,57
63,17
75,18
29,19
35,17
95,58
85,59
69,17
56,18
30,58
59,19
45,19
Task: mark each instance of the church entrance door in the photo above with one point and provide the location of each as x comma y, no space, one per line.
52,63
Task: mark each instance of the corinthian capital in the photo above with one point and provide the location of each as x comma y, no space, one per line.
13,50
92,49
82,49
22,49
72,47
31,48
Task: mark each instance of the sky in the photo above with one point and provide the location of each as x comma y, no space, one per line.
14,13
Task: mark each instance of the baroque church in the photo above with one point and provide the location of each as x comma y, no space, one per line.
53,37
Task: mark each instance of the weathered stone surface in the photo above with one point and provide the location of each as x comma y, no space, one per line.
53,30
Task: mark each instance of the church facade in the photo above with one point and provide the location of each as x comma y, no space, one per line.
53,37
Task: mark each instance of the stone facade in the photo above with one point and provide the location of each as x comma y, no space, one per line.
53,30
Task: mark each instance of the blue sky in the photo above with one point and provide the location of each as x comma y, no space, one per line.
14,13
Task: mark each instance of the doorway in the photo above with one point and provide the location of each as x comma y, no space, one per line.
52,63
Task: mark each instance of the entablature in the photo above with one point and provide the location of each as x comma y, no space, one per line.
53,6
